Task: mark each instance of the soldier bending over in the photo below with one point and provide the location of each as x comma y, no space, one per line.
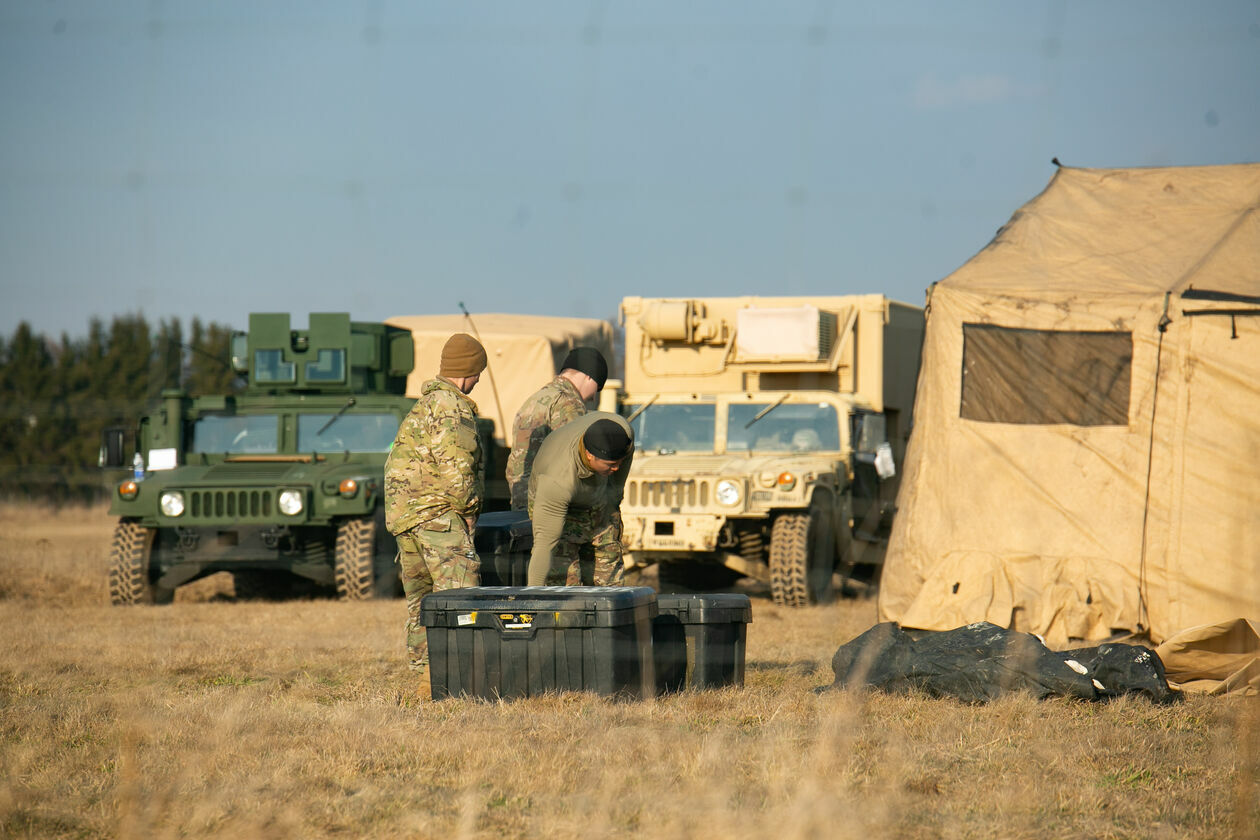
575,495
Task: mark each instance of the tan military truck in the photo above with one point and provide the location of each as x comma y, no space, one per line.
769,432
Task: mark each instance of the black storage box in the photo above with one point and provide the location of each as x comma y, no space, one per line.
503,540
508,641
698,640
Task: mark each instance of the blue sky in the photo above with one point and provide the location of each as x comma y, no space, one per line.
382,157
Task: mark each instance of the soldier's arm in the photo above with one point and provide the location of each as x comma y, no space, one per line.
455,447
400,475
607,541
623,473
515,470
551,505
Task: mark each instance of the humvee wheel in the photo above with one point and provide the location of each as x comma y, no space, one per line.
802,556
129,556
354,563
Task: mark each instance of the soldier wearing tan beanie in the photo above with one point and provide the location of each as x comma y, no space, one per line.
462,357
433,487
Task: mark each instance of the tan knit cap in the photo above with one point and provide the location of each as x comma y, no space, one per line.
462,356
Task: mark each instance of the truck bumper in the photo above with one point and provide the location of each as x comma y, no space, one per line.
671,532
183,554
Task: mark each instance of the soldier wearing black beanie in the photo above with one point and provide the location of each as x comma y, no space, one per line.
575,491
587,360
607,441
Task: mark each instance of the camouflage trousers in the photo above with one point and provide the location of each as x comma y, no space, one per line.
589,551
432,561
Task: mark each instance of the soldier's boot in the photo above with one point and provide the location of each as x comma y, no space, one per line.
424,690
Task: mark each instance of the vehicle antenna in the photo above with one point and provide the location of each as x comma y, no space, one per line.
490,371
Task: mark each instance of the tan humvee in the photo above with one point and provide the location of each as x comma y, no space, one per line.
769,432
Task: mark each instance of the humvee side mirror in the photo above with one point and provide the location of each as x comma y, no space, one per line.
872,430
113,446
871,445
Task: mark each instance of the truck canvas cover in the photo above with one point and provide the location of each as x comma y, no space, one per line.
523,353
1085,458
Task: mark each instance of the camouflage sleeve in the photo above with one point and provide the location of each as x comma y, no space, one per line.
399,475
515,472
566,411
451,436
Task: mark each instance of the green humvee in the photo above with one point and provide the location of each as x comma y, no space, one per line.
283,479
287,478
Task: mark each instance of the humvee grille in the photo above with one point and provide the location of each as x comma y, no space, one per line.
235,504
683,493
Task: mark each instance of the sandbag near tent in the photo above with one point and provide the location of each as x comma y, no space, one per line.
1085,460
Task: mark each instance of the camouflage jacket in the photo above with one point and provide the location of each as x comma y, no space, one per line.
551,406
434,468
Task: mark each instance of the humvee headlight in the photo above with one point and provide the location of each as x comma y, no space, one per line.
290,502
786,481
727,492
128,489
172,503
347,488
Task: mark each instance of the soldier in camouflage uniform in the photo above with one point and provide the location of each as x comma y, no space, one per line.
433,486
582,375
575,495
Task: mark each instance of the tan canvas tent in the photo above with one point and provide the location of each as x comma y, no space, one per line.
1086,451
523,353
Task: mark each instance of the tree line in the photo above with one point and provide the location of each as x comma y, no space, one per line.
60,395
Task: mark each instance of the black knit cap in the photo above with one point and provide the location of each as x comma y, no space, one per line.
589,361
607,441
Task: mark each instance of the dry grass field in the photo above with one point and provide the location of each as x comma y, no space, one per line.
212,718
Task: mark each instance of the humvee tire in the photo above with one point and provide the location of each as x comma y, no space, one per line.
802,557
354,565
363,564
129,556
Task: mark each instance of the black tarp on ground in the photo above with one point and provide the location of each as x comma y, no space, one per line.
1125,669
980,662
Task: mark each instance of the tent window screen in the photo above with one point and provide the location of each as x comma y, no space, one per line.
1046,376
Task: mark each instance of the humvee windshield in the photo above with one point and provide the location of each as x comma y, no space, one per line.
666,429
347,433
787,427
235,434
